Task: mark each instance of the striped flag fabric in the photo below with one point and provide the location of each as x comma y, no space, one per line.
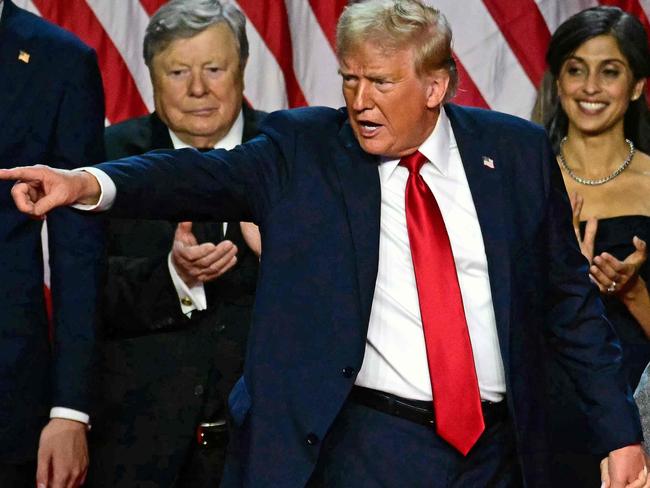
499,46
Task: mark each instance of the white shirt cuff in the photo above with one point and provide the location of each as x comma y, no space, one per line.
108,190
190,298
70,414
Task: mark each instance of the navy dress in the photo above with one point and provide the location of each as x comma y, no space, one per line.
614,235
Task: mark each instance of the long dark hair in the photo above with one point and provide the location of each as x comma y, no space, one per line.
633,43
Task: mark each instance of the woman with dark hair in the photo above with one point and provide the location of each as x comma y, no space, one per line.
599,59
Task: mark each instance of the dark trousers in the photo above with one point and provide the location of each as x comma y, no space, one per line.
18,475
368,448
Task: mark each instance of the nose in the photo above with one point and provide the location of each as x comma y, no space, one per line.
362,97
198,86
592,84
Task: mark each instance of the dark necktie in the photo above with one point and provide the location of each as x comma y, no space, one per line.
456,397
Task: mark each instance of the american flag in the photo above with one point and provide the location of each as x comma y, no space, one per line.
499,46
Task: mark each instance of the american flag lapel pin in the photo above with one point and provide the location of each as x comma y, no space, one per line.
23,56
489,162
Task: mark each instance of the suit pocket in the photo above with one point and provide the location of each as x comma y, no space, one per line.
239,402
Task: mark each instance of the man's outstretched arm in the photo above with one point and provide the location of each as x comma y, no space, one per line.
39,188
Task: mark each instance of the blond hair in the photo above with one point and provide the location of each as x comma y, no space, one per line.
396,25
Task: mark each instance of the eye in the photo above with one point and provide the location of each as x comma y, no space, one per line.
349,80
574,70
177,73
611,72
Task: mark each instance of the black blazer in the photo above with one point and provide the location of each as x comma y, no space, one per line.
161,373
316,196
51,110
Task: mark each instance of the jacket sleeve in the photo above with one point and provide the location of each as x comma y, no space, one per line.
584,341
76,240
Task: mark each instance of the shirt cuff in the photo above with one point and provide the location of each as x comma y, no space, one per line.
69,414
191,298
107,188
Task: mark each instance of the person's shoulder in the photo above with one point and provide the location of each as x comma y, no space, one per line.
323,119
641,164
493,122
130,137
48,35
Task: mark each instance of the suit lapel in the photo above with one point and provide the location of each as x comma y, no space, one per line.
14,81
486,186
359,179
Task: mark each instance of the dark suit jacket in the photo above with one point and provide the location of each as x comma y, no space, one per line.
161,372
51,110
316,196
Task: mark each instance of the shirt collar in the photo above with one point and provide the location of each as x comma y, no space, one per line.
230,140
436,148
2,4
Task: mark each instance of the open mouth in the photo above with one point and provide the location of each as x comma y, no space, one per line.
368,128
592,107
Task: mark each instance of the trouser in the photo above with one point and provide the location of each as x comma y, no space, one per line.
369,448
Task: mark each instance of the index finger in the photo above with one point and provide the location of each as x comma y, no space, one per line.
20,173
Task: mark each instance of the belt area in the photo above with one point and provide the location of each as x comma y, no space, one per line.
418,411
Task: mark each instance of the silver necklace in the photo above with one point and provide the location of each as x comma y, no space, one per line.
598,181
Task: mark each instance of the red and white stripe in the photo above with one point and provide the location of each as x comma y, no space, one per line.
499,46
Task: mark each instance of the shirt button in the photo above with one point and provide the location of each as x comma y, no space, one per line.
347,372
312,439
187,301
198,390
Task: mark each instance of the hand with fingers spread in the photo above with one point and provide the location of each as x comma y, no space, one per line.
39,188
587,240
198,263
62,455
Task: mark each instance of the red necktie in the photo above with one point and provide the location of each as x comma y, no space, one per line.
456,398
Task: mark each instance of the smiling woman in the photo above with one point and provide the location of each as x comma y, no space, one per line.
599,60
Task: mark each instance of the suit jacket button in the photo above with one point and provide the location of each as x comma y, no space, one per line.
347,372
198,390
312,439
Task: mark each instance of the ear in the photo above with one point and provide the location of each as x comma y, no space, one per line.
637,91
437,84
558,88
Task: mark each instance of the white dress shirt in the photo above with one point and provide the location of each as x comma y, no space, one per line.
395,358
1,7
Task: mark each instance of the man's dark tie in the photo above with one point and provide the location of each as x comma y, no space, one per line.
456,397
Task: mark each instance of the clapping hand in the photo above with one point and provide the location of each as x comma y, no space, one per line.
618,277
587,240
198,263
611,275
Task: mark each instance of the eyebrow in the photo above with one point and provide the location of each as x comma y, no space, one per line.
608,60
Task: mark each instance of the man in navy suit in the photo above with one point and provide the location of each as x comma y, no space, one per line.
51,109
338,382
